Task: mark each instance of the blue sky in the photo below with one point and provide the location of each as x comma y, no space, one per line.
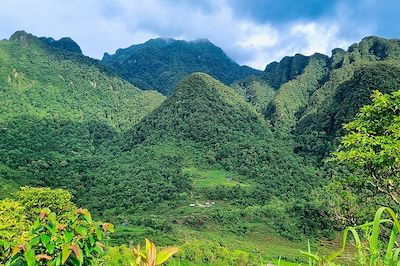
252,32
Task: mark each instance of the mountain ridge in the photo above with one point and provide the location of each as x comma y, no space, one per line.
68,121
160,64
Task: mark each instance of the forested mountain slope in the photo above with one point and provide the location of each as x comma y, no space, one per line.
314,95
161,63
206,125
56,107
372,64
69,121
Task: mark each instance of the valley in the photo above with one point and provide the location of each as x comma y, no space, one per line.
174,141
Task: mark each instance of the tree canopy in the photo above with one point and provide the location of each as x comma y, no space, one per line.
372,145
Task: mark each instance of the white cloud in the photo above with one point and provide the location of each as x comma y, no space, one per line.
317,37
106,25
253,36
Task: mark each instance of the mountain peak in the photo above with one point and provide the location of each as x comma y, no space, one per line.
161,63
200,109
169,40
160,41
197,81
20,34
200,86
65,43
376,48
23,38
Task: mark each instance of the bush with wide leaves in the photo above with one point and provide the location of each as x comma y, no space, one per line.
76,242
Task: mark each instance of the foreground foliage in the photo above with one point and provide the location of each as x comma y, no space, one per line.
70,237
371,150
150,256
76,242
32,234
371,145
375,244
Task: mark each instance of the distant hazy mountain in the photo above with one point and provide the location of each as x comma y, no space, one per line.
161,63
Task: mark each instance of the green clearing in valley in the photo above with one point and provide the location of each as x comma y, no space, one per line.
212,177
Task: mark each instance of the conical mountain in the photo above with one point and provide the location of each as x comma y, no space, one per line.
206,124
201,109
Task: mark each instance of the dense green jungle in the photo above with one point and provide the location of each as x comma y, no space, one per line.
219,164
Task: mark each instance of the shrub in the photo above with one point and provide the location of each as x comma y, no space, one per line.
76,242
13,226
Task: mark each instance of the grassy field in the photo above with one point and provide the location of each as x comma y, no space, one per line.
260,240
210,178
257,238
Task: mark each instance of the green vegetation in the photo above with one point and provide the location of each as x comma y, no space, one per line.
212,178
58,110
54,84
224,131
31,234
256,91
371,149
233,175
70,238
64,43
371,250
293,95
287,69
160,64
347,88
77,242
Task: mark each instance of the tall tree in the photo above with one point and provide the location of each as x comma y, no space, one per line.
371,147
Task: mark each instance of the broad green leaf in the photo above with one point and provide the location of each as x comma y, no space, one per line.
51,227
68,236
29,256
50,247
6,244
165,254
92,240
98,249
34,241
81,230
65,253
36,223
52,218
99,233
45,239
